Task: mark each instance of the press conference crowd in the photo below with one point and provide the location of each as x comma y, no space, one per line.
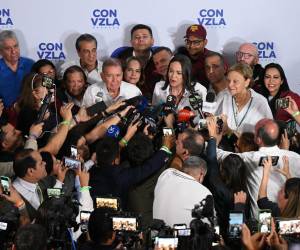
167,137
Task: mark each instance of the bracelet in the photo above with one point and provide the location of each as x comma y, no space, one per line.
65,122
85,188
296,114
166,149
124,141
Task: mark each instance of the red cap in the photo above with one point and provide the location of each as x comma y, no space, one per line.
196,30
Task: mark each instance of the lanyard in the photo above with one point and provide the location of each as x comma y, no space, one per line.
235,114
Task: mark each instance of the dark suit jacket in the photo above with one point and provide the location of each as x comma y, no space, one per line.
116,180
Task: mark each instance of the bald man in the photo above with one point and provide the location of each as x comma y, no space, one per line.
248,53
267,137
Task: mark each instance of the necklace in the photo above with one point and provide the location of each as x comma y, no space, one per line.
236,111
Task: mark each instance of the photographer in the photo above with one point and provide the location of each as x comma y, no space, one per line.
101,232
111,177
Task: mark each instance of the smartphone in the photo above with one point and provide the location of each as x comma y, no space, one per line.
127,224
183,232
166,242
96,108
264,221
291,128
5,184
274,160
236,220
71,163
54,192
167,131
179,226
288,226
110,202
74,152
282,103
84,220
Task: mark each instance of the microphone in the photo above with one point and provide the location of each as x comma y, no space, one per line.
185,114
210,97
196,102
113,131
210,105
170,105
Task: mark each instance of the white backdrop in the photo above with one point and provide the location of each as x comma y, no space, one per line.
48,29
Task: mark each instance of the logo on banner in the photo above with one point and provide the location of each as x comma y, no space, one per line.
212,18
51,51
105,18
5,18
266,50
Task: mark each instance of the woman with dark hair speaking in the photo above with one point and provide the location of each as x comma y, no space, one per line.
178,84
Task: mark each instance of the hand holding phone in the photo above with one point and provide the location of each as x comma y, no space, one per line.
265,158
5,181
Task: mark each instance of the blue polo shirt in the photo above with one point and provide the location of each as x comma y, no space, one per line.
11,82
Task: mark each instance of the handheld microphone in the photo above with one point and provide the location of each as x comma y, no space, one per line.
170,105
196,102
185,114
210,106
113,131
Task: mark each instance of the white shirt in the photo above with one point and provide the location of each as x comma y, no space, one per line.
276,180
98,92
160,96
175,195
256,109
28,191
92,77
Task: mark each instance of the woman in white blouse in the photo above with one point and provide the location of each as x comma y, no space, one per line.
178,83
242,105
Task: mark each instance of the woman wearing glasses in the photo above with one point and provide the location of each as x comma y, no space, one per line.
242,105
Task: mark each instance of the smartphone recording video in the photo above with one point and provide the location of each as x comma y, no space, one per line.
274,160
74,152
84,220
124,224
71,163
288,226
235,224
5,185
264,221
107,202
167,131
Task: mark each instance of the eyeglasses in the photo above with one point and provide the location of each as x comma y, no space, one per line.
240,54
195,42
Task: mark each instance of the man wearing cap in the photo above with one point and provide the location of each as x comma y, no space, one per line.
195,40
